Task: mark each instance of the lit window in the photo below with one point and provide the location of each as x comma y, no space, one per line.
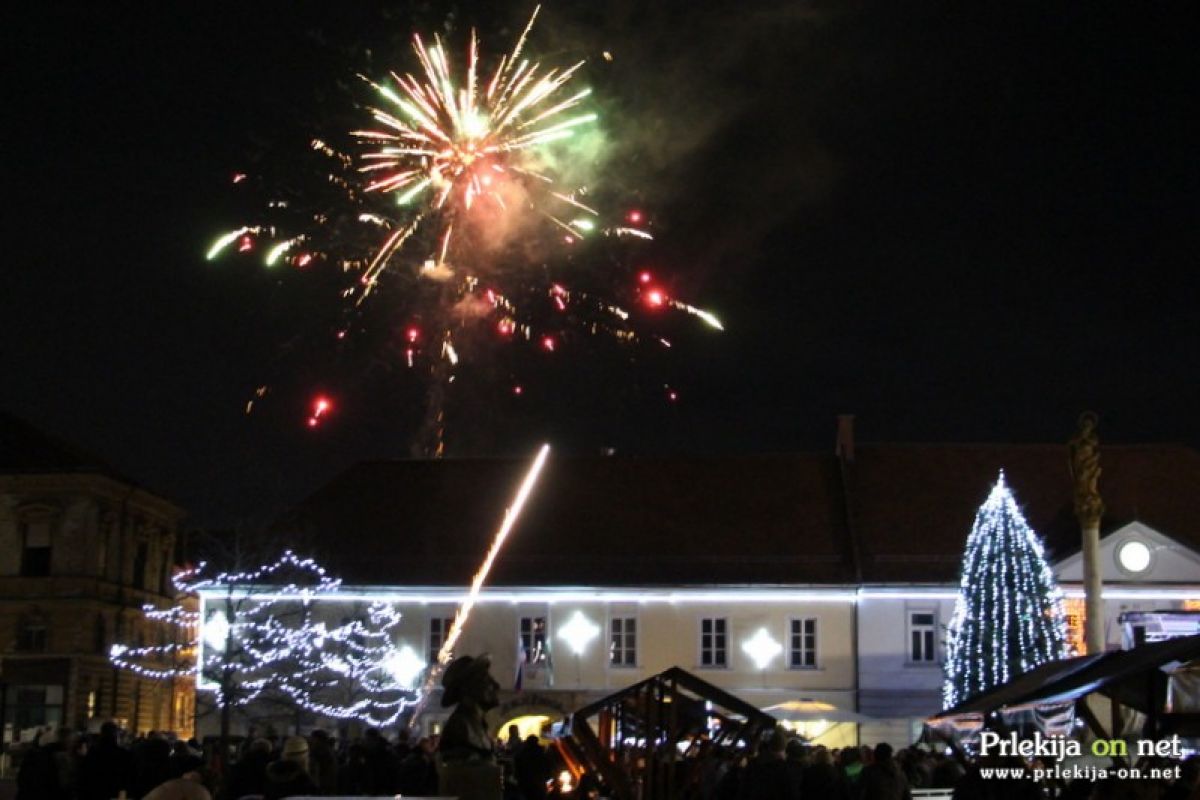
802,644
922,637
622,647
1075,612
714,651
532,635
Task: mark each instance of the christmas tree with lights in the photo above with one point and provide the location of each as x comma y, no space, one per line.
1009,616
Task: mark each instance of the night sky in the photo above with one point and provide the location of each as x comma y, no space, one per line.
958,222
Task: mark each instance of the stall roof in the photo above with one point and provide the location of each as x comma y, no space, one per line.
1121,674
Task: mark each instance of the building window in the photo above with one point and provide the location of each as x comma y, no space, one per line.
28,707
164,579
922,637
714,650
140,559
1075,612
802,644
35,552
532,638
622,646
439,629
31,636
100,635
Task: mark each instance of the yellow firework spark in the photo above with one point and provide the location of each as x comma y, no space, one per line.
448,140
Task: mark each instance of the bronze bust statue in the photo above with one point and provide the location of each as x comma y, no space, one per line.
468,684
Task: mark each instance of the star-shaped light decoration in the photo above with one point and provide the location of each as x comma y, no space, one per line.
405,666
578,631
216,631
761,648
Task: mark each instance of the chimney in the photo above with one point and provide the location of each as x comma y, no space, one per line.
845,437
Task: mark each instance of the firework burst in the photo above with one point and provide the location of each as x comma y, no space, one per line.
462,203
446,147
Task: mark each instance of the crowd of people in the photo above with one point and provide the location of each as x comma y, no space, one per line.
61,765
789,769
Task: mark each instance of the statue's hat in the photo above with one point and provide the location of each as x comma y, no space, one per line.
461,672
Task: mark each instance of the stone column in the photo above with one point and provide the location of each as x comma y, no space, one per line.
1084,462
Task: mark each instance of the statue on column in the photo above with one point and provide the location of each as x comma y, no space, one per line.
1084,462
468,758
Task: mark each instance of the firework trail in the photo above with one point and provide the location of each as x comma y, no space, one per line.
511,515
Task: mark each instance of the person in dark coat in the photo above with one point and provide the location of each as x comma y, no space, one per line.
152,764
40,776
403,746
796,759
767,775
249,775
824,780
322,762
418,772
974,786
532,768
729,787
107,769
882,778
381,763
183,759
288,775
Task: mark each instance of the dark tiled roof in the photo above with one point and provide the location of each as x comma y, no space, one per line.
915,503
735,520
26,450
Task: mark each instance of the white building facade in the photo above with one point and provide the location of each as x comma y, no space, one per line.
874,651
827,580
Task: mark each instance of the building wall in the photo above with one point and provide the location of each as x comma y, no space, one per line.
895,689
1169,560
668,634
898,693
895,692
111,550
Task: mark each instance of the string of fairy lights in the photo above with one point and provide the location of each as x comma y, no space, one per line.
1009,616
260,637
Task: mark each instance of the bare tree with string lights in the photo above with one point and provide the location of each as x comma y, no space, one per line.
279,637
